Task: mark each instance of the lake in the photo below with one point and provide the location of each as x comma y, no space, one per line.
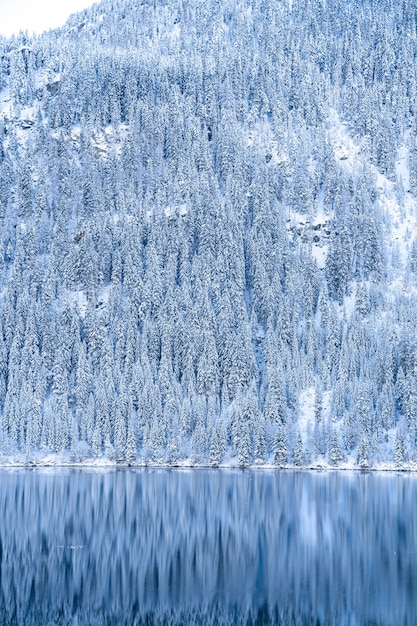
127,547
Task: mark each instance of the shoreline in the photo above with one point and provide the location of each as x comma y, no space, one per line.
111,465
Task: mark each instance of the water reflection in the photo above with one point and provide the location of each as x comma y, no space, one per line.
207,547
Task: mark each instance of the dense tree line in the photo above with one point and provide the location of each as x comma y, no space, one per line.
169,188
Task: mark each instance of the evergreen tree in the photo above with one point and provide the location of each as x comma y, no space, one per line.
280,446
218,443
362,456
131,443
244,445
399,449
335,451
298,453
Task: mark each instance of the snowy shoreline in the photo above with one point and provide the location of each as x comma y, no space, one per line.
111,465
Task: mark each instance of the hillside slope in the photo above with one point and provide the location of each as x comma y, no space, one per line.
207,235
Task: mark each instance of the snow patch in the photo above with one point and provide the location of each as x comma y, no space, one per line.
315,232
320,255
306,419
261,137
5,103
79,299
175,33
349,304
345,148
172,212
27,117
103,298
401,168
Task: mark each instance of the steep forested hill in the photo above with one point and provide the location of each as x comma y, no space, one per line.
207,234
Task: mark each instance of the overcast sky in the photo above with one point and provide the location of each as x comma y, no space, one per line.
37,15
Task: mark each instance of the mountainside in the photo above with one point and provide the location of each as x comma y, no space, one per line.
207,235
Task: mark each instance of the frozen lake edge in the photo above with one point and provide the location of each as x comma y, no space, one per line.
104,464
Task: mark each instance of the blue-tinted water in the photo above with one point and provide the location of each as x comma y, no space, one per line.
207,547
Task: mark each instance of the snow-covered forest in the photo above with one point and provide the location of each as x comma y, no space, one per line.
208,244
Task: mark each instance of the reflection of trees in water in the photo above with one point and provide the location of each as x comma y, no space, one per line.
172,547
215,615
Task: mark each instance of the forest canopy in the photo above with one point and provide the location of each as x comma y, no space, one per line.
207,250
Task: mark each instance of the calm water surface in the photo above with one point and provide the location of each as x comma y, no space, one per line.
207,547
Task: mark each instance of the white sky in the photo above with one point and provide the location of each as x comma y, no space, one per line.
37,15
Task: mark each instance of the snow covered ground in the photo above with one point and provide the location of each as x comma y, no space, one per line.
65,461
